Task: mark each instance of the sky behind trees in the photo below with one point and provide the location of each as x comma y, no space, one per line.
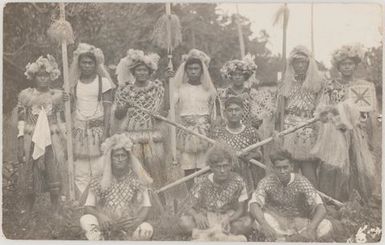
334,25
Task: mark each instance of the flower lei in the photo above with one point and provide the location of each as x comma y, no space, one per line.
355,51
43,64
135,56
246,66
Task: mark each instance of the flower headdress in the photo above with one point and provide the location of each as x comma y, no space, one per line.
353,51
43,64
132,59
121,141
246,66
84,48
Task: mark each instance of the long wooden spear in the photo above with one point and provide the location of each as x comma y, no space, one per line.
167,34
239,153
240,33
282,13
61,31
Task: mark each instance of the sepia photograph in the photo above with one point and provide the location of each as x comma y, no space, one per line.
186,121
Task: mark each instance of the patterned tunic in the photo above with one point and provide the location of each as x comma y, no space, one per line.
149,97
263,102
211,197
238,141
123,198
297,199
299,108
144,132
335,91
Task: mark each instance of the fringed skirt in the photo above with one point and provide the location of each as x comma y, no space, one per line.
332,148
87,138
301,141
364,177
148,148
191,148
45,174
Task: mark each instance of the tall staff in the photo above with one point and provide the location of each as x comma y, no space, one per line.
282,13
312,28
240,33
167,34
61,31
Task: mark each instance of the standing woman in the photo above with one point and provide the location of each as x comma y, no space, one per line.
195,109
342,144
239,72
298,98
136,88
91,87
41,142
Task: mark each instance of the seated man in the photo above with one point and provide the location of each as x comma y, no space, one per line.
118,202
286,204
218,201
239,136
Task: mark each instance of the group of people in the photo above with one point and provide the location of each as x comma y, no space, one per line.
119,145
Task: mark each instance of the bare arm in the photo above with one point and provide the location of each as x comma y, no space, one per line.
166,98
257,213
142,216
200,219
319,215
238,213
107,102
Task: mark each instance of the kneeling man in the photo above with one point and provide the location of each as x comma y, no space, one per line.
286,204
118,201
218,201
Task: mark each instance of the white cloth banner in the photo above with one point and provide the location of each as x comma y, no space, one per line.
41,136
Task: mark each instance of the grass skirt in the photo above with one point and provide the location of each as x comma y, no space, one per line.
192,149
44,174
87,138
148,148
301,141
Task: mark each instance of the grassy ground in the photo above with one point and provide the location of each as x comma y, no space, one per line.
42,225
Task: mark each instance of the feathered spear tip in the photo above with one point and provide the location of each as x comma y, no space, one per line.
282,16
61,30
160,34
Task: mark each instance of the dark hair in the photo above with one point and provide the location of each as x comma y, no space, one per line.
220,152
234,100
355,59
132,69
280,155
88,55
191,61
